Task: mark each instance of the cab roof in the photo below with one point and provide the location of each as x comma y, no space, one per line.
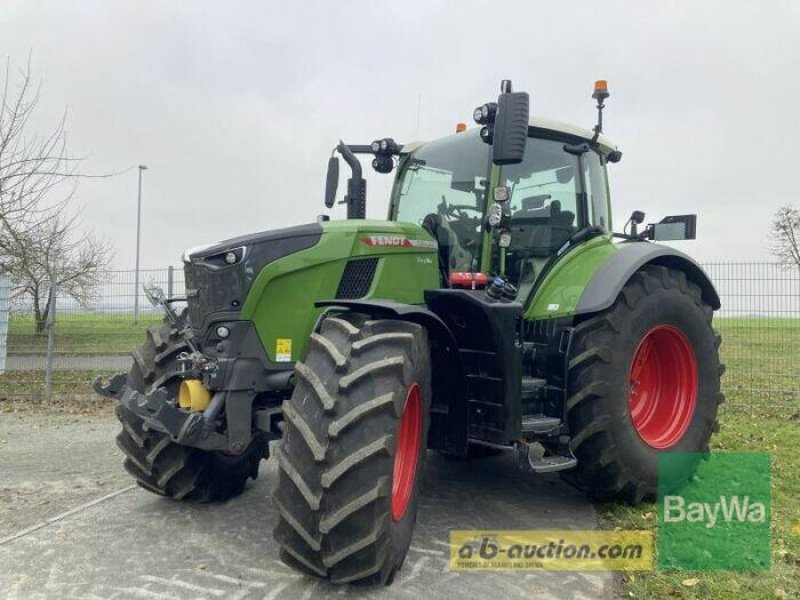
559,127
543,123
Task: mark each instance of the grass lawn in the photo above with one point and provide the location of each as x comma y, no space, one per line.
761,360
740,431
31,384
81,333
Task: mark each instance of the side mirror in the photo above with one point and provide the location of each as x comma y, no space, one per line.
331,181
675,227
510,128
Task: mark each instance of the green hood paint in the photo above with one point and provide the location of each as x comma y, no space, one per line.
281,300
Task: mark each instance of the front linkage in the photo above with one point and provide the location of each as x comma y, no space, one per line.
187,428
191,423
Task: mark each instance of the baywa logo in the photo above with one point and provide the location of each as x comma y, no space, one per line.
714,511
735,508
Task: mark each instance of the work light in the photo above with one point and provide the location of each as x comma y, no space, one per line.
495,214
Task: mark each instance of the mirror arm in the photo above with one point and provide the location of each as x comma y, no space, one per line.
356,198
645,235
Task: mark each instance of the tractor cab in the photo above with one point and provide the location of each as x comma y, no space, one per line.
504,200
557,190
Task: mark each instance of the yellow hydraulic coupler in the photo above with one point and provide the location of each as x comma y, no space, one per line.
193,395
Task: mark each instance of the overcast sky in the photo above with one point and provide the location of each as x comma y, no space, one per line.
235,106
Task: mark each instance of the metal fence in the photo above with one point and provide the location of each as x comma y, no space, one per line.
63,353
760,326
759,322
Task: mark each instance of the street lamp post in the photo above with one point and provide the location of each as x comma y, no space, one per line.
142,168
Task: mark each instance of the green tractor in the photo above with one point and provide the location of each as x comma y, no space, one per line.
493,311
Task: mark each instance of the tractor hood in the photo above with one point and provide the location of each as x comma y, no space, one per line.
304,236
261,273
219,276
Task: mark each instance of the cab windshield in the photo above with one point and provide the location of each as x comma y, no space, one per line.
443,189
554,193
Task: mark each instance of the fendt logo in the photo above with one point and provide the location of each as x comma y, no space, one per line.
396,241
734,508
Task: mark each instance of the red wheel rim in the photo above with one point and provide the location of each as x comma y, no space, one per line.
663,386
409,436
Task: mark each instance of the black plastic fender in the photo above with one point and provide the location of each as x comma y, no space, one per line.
449,414
608,281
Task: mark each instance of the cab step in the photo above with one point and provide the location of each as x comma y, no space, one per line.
550,464
533,457
540,424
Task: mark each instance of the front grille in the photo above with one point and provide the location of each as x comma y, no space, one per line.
213,290
196,286
357,278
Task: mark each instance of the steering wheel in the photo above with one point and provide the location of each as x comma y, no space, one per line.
458,210
455,210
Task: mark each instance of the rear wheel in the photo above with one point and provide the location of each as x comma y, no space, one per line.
353,450
644,379
158,464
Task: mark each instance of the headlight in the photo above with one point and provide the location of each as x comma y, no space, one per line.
222,259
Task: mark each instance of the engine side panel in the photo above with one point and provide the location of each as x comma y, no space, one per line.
281,300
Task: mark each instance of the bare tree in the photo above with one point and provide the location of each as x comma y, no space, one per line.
39,238
785,235
51,252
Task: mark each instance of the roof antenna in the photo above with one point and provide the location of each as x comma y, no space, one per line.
600,94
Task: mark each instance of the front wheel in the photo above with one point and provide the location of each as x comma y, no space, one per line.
353,450
644,379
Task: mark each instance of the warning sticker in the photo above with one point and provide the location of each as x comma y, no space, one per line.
283,350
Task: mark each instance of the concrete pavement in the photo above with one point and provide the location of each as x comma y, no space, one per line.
72,526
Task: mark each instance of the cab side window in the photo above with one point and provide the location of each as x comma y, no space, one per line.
596,190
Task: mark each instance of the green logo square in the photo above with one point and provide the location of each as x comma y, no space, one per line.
718,518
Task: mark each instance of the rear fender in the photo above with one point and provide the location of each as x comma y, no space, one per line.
610,277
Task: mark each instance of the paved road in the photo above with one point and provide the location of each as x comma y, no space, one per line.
72,526
70,363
